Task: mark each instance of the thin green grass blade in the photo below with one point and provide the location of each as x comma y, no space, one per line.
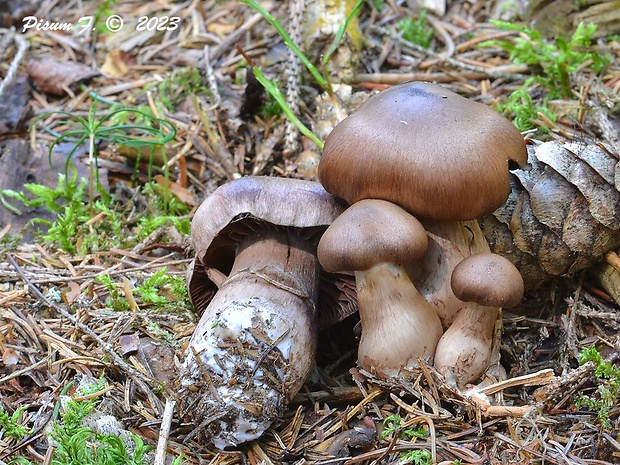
277,95
289,42
341,32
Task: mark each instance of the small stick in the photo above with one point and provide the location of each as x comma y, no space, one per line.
164,433
210,75
236,36
540,377
492,72
613,259
22,46
23,371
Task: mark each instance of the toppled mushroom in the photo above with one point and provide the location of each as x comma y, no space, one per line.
375,238
255,238
444,159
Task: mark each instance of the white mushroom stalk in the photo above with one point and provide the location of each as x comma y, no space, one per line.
399,327
256,280
485,282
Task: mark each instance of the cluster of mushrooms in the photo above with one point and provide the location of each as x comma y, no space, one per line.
389,231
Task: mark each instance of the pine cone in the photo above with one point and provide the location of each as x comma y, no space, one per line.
563,214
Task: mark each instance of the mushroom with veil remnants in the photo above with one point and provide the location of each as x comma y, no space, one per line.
256,280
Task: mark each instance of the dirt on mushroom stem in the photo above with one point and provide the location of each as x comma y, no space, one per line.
255,343
256,278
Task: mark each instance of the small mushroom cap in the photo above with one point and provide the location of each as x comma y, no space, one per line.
425,148
248,204
371,232
487,279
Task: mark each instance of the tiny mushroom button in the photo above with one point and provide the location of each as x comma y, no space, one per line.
484,281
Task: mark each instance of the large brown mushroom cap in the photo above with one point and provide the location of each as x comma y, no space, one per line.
248,204
425,148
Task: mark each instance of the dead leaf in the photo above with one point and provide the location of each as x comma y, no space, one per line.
53,76
181,193
129,343
358,438
114,64
159,359
221,30
15,111
9,357
74,292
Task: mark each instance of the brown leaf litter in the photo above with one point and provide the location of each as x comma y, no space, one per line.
56,77
55,324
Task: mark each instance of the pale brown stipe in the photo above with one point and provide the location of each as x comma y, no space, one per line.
425,148
375,239
256,280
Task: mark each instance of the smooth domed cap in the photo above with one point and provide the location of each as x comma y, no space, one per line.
371,232
487,279
425,148
241,207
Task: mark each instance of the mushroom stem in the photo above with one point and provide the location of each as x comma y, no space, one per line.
431,276
464,351
398,324
255,343
465,235
291,258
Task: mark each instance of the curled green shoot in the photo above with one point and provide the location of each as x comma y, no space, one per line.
92,129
